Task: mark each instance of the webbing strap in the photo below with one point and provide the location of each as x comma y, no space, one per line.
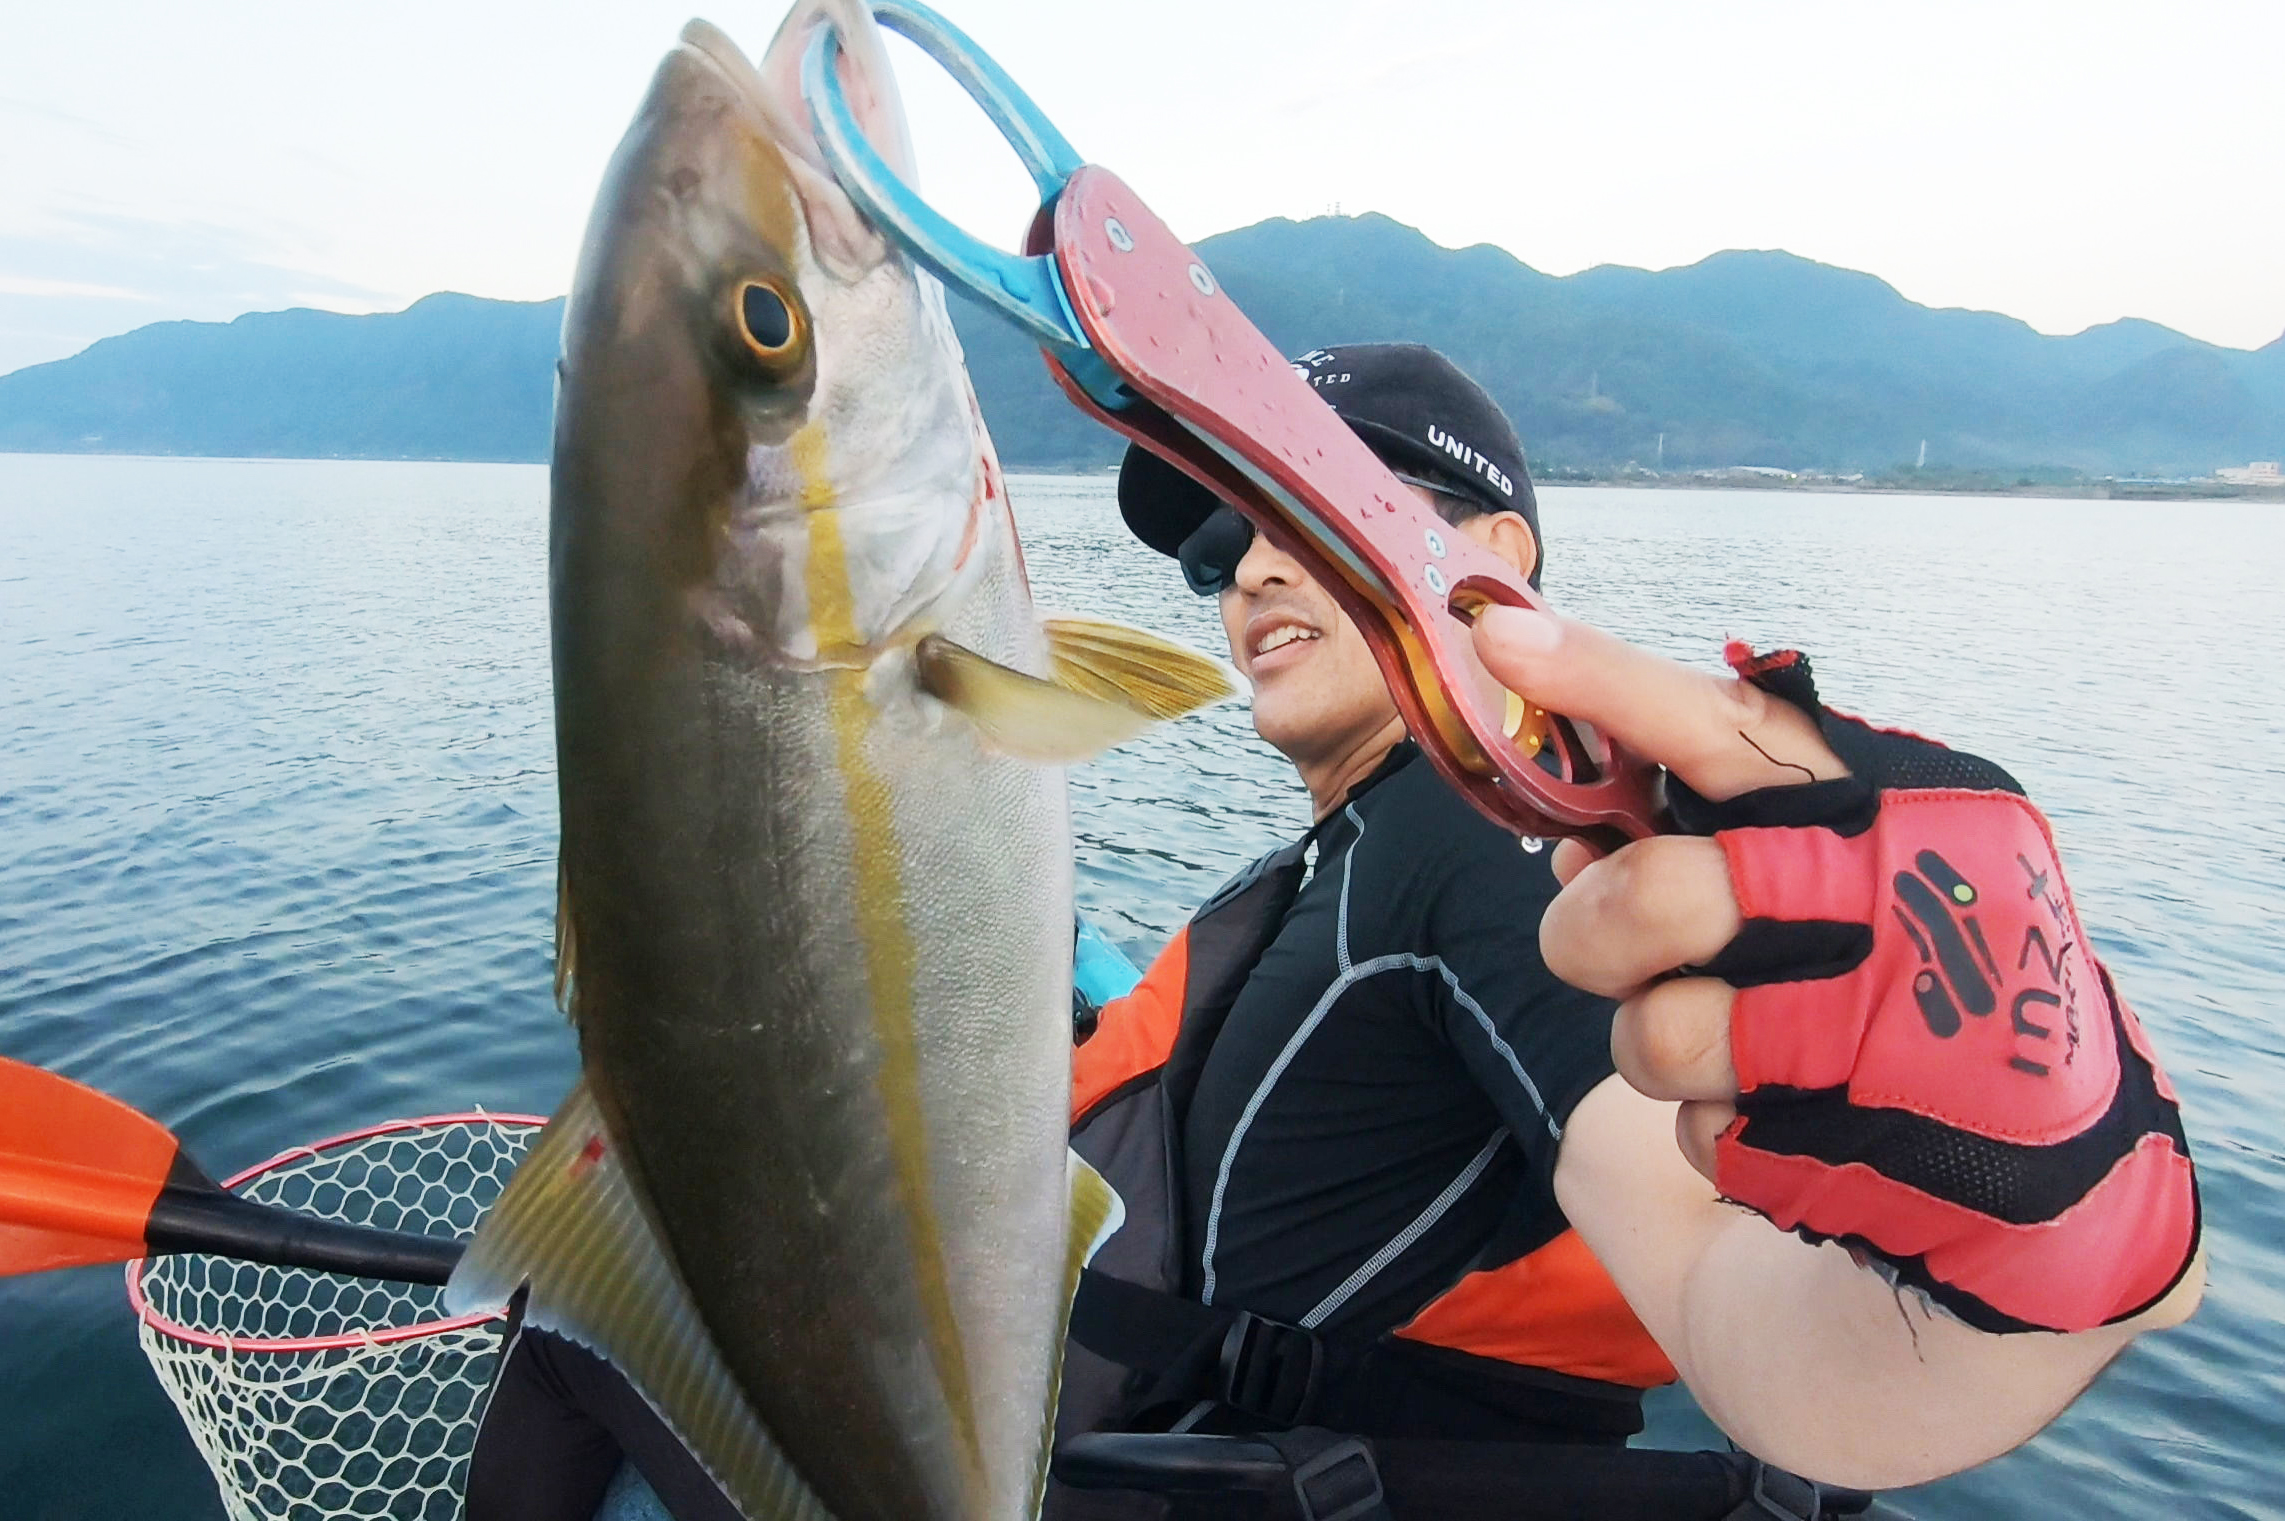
1139,1327
1265,1369
1334,1477
1778,1496
1274,1373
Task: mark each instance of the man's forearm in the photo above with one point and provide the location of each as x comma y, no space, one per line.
1804,1357
1819,1365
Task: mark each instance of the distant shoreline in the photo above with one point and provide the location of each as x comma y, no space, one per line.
1945,485
1757,361
2089,491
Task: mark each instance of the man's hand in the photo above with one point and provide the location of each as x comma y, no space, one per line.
1625,921
1929,1063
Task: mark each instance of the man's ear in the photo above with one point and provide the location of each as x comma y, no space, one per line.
1507,535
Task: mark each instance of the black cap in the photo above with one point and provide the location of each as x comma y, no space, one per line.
1416,409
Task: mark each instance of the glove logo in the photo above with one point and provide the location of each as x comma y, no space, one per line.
1959,977
1951,978
2063,990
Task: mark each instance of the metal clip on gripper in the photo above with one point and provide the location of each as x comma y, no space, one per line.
1140,335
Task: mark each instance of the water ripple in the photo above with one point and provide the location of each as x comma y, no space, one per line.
277,830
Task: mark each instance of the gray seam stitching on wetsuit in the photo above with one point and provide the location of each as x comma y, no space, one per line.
1491,1033
1350,977
1269,1079
1341,984
1341,924
1402,1241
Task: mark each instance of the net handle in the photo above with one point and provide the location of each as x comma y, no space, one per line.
340,1341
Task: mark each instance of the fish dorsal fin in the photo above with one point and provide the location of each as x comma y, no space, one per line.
1096,1212
571,1226
1111,683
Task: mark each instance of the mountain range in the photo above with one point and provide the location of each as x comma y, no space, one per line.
1745,357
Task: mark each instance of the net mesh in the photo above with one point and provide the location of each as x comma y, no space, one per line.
316,1396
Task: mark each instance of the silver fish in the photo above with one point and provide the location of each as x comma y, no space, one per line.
812,1194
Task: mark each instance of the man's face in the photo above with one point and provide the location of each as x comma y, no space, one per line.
1317,690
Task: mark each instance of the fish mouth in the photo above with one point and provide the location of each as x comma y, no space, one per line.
840,237
805,500
729,61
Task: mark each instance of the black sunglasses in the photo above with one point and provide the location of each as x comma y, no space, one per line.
1209,557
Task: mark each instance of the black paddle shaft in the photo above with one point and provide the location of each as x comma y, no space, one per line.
219,1224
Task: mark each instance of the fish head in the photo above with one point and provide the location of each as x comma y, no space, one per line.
764,426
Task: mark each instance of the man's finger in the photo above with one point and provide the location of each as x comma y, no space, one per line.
1639,913
1697,1127
1672,1040
1721,735
1571,857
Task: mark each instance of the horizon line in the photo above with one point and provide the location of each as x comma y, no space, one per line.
411,302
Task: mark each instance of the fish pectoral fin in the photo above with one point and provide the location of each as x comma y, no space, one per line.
571,1227
1155,676
1097,1212
1021,715
1110,684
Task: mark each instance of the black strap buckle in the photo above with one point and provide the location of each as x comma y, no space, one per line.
1342,1483
1268,1370
1782,1496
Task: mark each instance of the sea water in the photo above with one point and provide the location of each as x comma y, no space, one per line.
277,825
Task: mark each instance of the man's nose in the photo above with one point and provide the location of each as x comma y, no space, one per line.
1264,565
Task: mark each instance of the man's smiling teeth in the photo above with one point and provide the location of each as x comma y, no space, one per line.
1283,635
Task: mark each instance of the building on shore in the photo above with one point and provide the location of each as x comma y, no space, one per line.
2262,472
1745,472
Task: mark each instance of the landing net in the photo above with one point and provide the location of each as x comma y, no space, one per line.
315,1396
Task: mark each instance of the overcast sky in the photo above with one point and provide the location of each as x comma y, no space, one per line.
2066,161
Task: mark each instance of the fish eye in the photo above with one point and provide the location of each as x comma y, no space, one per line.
770,324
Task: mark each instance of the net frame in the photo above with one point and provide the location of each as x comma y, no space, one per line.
264,1409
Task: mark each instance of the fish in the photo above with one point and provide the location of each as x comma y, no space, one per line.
812,1193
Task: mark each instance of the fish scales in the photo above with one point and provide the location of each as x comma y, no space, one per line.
758,852
782,1098
812,1194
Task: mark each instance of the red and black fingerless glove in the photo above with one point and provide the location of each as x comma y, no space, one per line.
1932,1065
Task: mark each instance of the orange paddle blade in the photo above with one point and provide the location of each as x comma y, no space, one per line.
79,1172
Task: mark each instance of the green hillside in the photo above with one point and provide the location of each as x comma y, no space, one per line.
1743,358
450,377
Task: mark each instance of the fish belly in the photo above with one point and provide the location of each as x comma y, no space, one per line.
825,1015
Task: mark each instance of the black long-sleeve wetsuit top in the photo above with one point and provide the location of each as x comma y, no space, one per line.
1384,1104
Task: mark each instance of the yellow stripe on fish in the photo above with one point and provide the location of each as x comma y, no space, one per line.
891,962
